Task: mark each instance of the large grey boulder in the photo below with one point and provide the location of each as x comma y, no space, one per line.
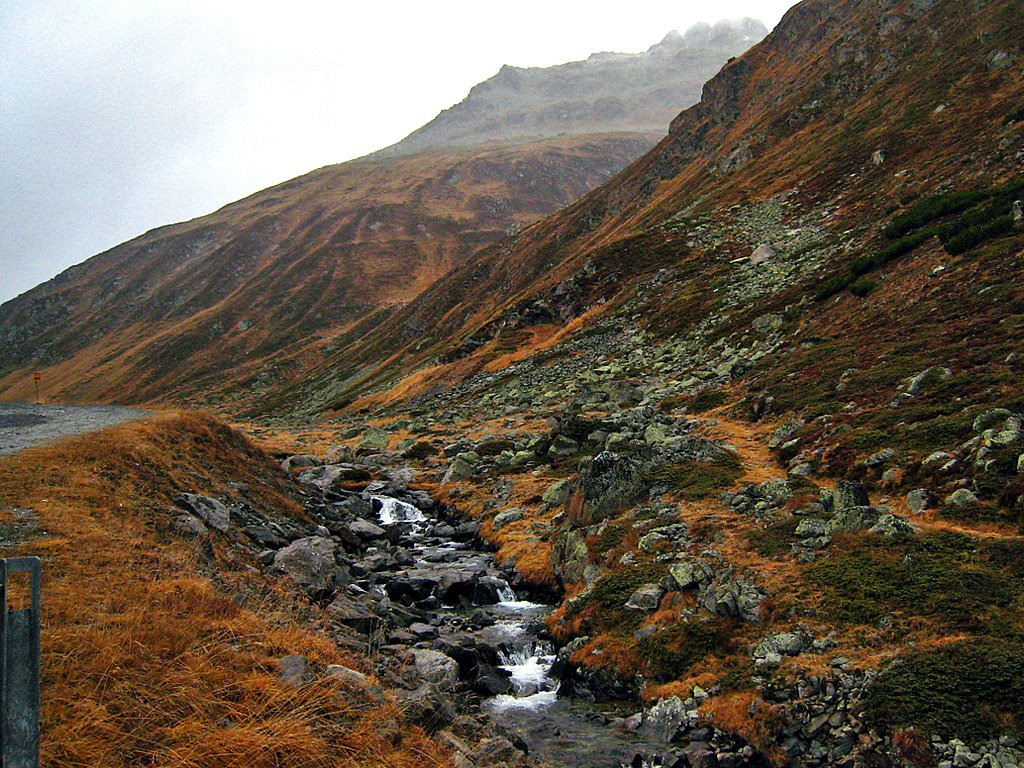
849,493
928,379
608,483
309,562
646,598
435,668
210,511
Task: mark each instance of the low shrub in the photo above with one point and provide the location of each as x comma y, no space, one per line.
697,479
863,287
669,654
972,690
931,575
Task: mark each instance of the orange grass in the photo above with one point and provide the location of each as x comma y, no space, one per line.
148,662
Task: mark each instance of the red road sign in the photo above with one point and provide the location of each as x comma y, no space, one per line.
37,375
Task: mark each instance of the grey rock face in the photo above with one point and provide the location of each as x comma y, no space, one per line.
607,92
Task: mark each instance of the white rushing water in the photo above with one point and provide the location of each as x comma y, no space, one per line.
393,511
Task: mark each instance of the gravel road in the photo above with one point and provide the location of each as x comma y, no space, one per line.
23,425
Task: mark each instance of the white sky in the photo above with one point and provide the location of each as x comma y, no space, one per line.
117,117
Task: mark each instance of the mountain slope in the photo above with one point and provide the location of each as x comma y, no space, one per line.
607,92
845,114
189,305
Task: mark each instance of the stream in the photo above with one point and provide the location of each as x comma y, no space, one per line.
564,731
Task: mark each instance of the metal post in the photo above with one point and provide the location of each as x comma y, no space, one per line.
19,670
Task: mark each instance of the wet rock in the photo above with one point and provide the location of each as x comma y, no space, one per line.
309,562
366,530
434,668
210,511
427,707
496,752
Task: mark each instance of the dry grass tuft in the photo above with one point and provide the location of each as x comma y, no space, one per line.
148,662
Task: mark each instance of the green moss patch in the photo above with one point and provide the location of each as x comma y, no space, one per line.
670,653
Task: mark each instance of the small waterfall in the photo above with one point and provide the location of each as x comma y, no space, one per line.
530,665
393,511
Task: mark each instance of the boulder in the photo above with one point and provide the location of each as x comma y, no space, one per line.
366,530
293,671
459,469
374,440
892,526
646,598
190,526
608,483
508,516
919,500
210,511
849,493
434,668
309,562
557,493
961,498
928,379
773,647
292,463
563,447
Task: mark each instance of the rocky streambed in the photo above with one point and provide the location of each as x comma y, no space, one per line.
421,585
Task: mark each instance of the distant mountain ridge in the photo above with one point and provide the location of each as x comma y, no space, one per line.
637,92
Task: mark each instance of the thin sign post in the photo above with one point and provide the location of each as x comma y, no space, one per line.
37,376
19,669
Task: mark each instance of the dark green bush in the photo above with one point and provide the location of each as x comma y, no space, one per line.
863,287
707,399
832,286
966,239
775,540
933,208
866,264
972,690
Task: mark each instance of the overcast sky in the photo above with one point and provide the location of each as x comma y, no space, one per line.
117,117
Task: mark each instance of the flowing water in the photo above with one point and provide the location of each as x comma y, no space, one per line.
565,731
